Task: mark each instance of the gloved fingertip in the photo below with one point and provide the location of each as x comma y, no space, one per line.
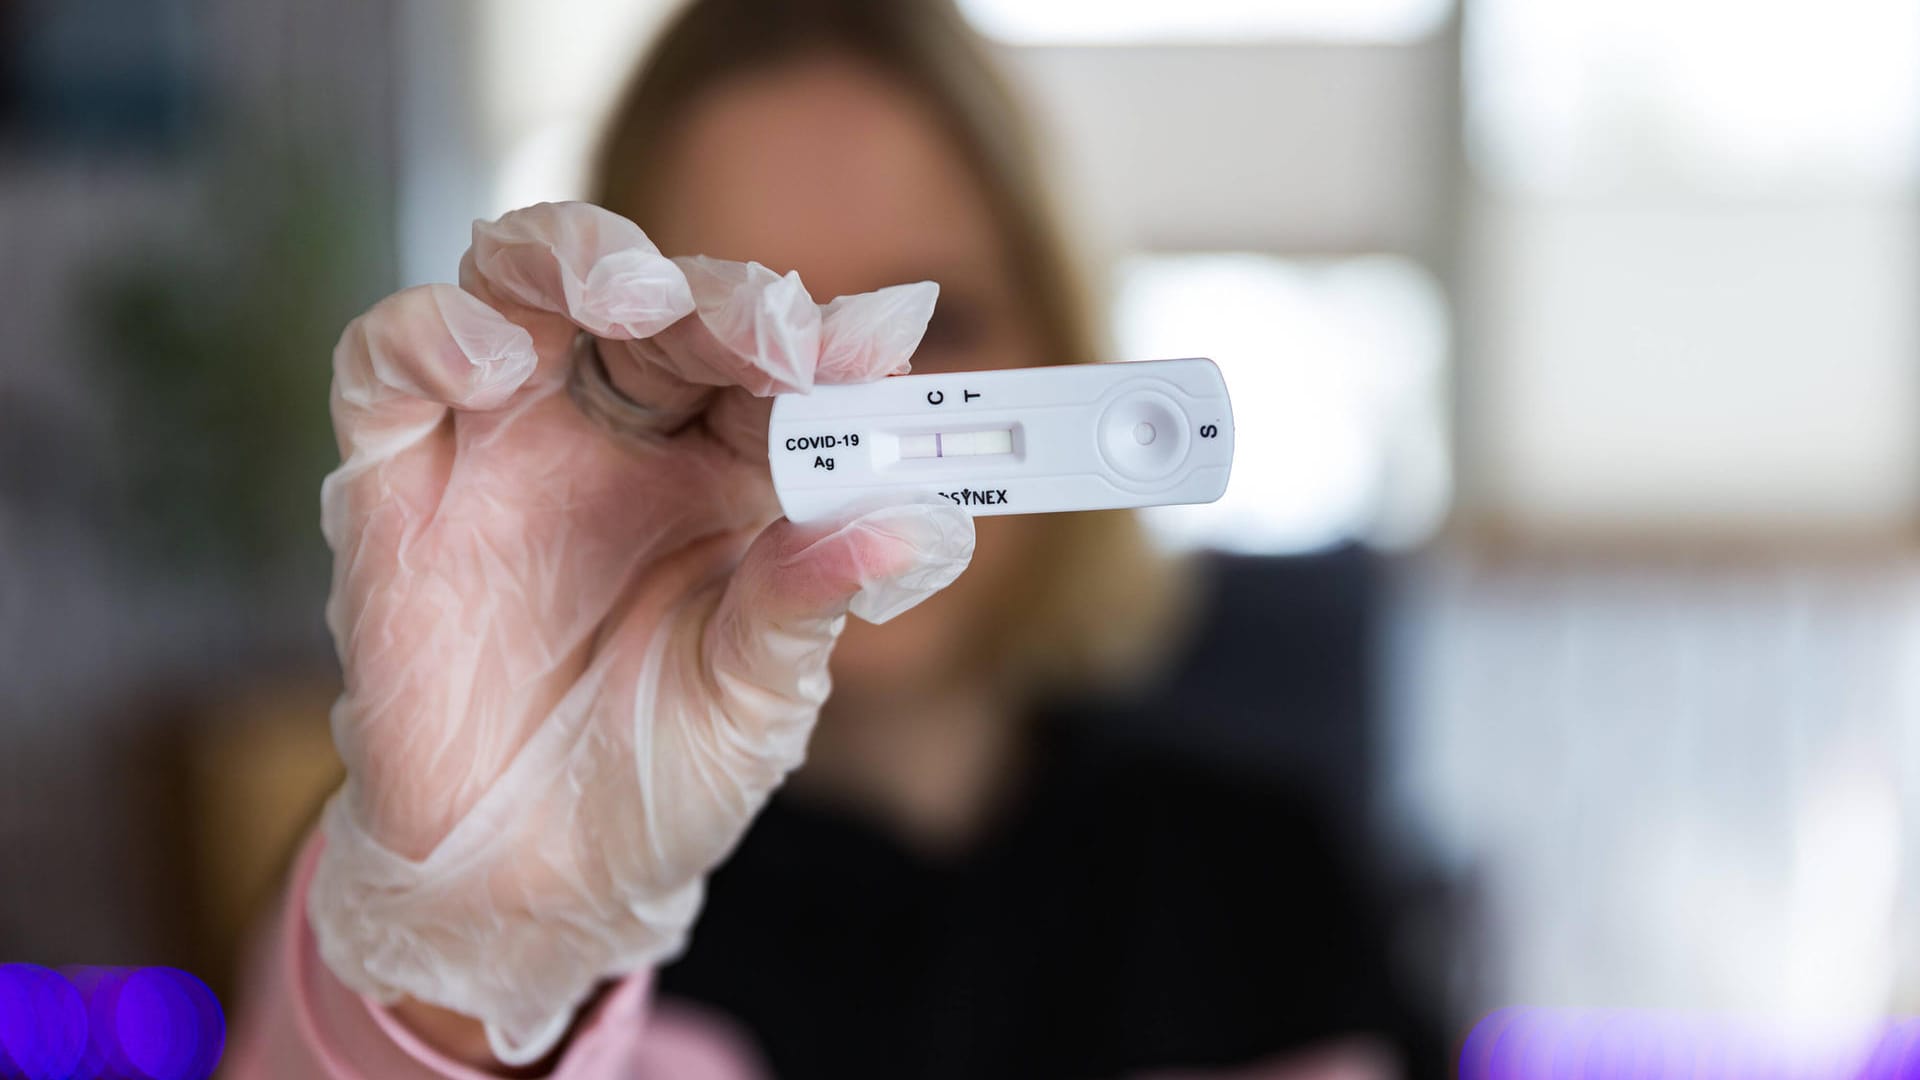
578,260
499,353
789,342
634,292
906,307
872,335
766,319
522,1048
709,276
933,543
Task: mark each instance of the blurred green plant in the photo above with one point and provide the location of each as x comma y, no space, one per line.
217,342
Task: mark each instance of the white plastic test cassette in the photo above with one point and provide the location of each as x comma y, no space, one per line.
1020,441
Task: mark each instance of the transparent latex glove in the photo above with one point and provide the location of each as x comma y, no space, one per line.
576,666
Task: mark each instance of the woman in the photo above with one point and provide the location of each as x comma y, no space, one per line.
581,654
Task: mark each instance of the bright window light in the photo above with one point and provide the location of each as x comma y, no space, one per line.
1082,22
1571,96
1336,369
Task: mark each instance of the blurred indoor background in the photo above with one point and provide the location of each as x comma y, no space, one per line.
1597,321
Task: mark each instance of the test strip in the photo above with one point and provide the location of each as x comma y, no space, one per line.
943,444
1023,440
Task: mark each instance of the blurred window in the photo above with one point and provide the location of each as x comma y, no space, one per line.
1582,95
1085,22
1336,367
1694,251
1691,262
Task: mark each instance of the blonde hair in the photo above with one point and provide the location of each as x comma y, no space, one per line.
1095,600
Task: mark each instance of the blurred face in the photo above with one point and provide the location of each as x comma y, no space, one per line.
829,169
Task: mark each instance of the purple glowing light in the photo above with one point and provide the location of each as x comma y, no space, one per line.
168,1024
1578,1044
43,1024
101,1023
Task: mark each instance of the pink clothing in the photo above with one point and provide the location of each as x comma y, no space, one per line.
299,1022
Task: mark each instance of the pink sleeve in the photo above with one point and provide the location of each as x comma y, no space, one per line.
298,1022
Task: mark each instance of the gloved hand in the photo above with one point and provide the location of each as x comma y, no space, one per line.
575,665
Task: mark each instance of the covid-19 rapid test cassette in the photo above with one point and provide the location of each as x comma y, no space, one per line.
1020,441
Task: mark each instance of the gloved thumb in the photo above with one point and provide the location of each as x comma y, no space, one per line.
768,642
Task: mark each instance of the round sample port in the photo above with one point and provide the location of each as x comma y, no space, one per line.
1143,435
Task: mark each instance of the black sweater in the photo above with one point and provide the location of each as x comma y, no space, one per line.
1164,891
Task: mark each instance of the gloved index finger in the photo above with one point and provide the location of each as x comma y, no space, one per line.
752,328
862,337
590,266
598,271
871,335
762,332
